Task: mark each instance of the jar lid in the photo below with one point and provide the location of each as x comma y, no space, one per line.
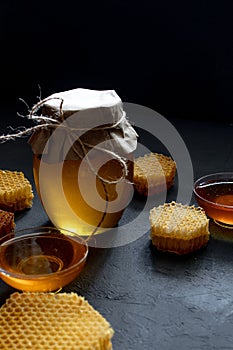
80,99
93,108
88,115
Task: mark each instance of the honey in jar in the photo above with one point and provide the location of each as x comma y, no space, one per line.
83,162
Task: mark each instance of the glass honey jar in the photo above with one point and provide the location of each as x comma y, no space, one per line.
83,160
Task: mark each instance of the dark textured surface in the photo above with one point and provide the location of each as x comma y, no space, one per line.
155,300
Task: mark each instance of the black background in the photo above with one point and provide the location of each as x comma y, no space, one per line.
175,57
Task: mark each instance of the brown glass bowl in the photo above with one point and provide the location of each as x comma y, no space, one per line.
214,193
41,259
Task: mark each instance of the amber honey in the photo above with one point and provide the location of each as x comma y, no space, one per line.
216,198
41,262
70,199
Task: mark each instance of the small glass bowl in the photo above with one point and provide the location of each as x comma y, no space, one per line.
214,193
41,259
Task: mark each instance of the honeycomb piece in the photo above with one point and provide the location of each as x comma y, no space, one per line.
63,321
153,173
7,224
179,228
15,191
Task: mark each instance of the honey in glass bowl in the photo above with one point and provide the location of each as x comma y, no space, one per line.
214,193
41,259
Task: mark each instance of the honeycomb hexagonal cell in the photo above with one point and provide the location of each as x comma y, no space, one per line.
79,326
7,224
15,191
179,228
153,173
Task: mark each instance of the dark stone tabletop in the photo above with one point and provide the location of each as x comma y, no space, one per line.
156,300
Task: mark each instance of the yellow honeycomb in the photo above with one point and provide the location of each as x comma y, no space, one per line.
153,173
179,228
63,321
15,191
